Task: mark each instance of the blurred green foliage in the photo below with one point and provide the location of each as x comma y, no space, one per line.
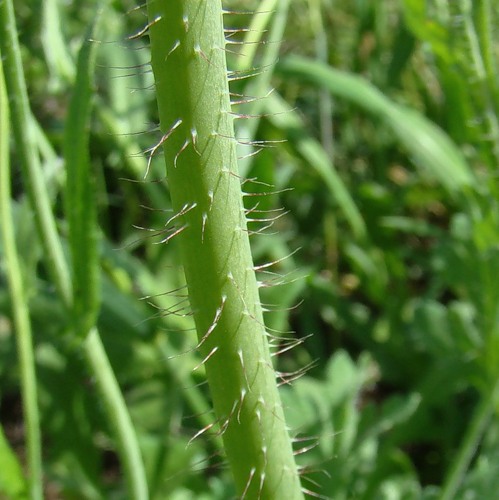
393,293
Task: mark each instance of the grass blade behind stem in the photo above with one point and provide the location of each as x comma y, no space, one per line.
325,104
80,192
254,34
427,144
485,28
286,119
56,50
260,84
470,443
20,310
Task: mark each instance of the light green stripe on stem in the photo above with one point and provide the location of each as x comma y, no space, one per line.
20,311
189,65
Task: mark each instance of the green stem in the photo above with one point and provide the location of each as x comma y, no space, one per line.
57,266
189,66
26,140
484,28
260,85
470,443
126,438
20,311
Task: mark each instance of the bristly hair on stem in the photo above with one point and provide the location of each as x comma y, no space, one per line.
192,88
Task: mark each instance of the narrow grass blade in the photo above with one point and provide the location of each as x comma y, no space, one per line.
325,100
427,144
80,192
20,312
260,83
283,117
255,33
470,443
56,50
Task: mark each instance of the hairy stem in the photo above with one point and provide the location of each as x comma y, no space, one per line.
189,65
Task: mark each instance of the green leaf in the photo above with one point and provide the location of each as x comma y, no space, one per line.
80,192
426,143
426,29
12,481
282,116
57,52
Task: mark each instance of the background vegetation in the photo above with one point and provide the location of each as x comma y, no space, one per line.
384,174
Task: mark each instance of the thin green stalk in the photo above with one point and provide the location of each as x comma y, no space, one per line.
188,61
325,108
57,266
260,85
484,25
20,311
26,140
282,116
485,17
470,443
257,28
118,415
473,40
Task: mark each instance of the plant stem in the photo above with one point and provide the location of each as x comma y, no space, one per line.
25,136
189,66
471,440
57,265
20,311
126,438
